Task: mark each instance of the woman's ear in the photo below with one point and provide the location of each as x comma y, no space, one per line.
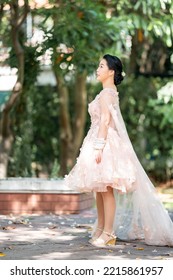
112,72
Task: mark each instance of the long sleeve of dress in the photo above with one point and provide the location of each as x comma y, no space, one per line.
105,115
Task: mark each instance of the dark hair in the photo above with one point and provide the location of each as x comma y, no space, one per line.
114,63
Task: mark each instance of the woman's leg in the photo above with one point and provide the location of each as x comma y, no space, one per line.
100,210
100,215
109,211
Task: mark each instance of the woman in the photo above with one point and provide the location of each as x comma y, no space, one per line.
126,200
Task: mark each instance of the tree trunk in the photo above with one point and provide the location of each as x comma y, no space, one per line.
65,136
71,133
133,57
6,137
1,12
5,147
80,116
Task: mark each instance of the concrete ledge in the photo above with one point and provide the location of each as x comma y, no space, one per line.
41,196
35,185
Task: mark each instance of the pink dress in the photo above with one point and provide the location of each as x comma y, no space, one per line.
139,212
116,168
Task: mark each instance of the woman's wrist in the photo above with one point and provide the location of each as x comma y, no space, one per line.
99,143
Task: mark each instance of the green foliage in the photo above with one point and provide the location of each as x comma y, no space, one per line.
149,123
159,136
154,17
24,150
36,148
32,65
22,153
78,33
5,41
45,129
55,169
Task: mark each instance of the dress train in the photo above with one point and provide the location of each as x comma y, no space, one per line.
139,212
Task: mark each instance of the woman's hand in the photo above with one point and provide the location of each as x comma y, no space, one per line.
98,155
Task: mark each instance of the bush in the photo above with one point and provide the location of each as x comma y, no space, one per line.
149,121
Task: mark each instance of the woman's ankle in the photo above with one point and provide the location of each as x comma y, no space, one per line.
101,227
108,230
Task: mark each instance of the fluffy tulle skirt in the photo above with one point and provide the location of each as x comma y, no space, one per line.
116,168
139,212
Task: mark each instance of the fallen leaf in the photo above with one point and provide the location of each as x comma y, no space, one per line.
9,247
84,226
139,248
24,222
110,251
2,254
52,227
8,228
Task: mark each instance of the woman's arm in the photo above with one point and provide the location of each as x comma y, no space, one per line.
105,117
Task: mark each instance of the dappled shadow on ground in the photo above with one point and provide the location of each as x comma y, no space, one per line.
53,237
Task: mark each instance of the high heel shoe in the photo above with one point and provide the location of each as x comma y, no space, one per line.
111,240
93,238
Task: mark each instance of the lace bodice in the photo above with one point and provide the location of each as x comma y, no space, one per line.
111,98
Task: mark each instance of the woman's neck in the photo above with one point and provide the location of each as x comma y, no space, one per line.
108,85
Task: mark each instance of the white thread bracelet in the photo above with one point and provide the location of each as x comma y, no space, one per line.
99,143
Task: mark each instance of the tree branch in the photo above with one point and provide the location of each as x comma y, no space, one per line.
17,89
23,17
1,11
16,19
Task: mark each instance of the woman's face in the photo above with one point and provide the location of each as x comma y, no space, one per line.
103,72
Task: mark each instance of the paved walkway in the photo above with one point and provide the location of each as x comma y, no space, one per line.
65,237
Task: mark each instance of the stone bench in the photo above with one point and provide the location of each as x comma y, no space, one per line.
40,196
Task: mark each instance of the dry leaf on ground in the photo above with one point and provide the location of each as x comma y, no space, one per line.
84,226
52,227
24,222
9,247
2,254
8,228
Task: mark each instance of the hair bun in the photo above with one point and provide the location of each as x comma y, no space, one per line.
118,78
114,63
